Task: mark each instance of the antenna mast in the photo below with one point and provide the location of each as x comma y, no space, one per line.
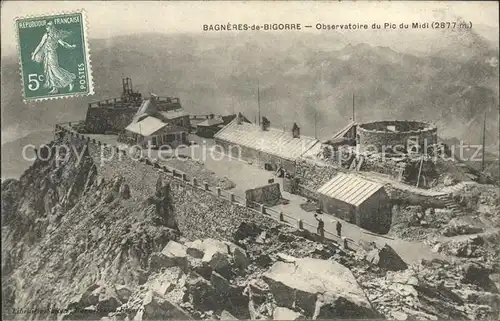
484,141
258,99
353,107
315,122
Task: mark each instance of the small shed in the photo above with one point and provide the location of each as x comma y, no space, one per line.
209,127
357,200
153,132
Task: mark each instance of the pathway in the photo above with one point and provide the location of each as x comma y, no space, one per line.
247,176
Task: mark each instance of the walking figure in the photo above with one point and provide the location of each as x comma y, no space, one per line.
339,229
321,226
346,244
56,77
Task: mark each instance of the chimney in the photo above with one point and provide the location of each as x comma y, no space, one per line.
295,131
265,124
239,118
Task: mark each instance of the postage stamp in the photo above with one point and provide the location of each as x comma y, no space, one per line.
54,56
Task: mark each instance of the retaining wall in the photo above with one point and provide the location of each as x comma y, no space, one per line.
268,195
199,209
100,120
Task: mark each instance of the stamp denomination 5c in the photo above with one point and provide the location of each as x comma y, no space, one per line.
54,56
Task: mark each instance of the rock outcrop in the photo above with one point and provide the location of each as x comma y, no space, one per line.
322,288
386,258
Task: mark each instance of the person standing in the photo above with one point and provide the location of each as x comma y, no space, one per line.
339,229
321,226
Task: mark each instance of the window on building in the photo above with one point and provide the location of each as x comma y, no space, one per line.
169,138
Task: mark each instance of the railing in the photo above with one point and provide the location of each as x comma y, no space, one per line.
286,219
118,102
115,103
185,179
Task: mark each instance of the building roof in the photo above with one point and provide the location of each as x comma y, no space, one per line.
344,130
147,108
210,122
147,126
349,188
173,114
272,141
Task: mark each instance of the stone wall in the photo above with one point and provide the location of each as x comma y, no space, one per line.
199,213
100,120
373,138
268,195
312,176
256,157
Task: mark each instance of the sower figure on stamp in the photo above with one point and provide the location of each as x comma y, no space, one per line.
321,226
45,53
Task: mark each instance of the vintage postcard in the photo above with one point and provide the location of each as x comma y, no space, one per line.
54,56
253,160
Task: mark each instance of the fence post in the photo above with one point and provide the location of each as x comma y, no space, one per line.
301,224
205,184
262,209
218,191
282,217
194,182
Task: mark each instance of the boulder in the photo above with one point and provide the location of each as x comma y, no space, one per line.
479,275
176,254
123,292
321,288
281,313
220,283
157,261
458,226
240,258
196,265
156,308
173,254
201,292
195,249
162,288
386,258
398,315
217,260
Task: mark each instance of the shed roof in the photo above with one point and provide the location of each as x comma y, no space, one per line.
344,130
272,141
210,122
173,114
349,188
147,108
147,126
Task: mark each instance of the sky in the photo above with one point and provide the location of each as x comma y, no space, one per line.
111,18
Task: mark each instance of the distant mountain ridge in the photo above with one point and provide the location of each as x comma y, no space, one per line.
301,78
13,162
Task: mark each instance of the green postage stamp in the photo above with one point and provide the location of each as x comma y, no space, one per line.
54,56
